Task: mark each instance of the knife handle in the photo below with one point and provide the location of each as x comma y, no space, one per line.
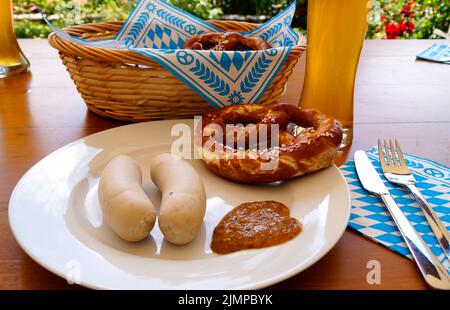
430,267
436,225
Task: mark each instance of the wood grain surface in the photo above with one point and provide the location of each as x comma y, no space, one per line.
396,96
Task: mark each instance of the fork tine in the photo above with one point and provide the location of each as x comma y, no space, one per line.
394,156
388,154
381,155
400,154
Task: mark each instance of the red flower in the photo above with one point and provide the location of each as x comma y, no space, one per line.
406,11
410,27
383,17
402,27
392,31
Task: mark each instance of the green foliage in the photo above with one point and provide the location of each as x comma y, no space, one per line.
253,7
388,19
28,29
67,13
200,8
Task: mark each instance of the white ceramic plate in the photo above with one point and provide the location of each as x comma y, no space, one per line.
55,216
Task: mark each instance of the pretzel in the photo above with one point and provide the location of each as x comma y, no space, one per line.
308,141
229,41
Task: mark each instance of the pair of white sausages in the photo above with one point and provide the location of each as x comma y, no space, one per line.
131,215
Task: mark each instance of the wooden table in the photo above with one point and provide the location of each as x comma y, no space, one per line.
396,96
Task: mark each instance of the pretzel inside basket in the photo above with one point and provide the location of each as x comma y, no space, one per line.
229,41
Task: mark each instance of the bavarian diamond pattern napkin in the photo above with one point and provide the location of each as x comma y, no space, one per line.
370,217
158,30
436,53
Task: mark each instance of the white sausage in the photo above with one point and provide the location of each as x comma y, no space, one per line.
183,198
126,208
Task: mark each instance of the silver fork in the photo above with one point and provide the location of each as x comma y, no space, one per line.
396,171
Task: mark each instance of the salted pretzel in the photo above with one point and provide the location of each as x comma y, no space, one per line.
307,141
229,41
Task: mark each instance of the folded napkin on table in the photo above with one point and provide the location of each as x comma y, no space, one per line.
370,217
437,53
158,30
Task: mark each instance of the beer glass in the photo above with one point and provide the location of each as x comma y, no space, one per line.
336,31
12,60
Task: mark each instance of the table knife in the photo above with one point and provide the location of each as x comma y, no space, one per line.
432,270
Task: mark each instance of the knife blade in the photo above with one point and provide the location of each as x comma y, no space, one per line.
432,271
367,174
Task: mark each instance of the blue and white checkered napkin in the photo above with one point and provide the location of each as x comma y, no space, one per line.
437,53
370,217
158,30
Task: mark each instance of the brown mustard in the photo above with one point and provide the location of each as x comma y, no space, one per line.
254,225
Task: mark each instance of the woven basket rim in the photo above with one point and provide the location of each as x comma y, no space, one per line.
126,56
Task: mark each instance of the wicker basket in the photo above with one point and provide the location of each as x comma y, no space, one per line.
128,86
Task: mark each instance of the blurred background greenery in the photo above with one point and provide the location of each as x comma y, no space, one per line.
389,19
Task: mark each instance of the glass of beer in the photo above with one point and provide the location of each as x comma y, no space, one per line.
336,31
12,60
